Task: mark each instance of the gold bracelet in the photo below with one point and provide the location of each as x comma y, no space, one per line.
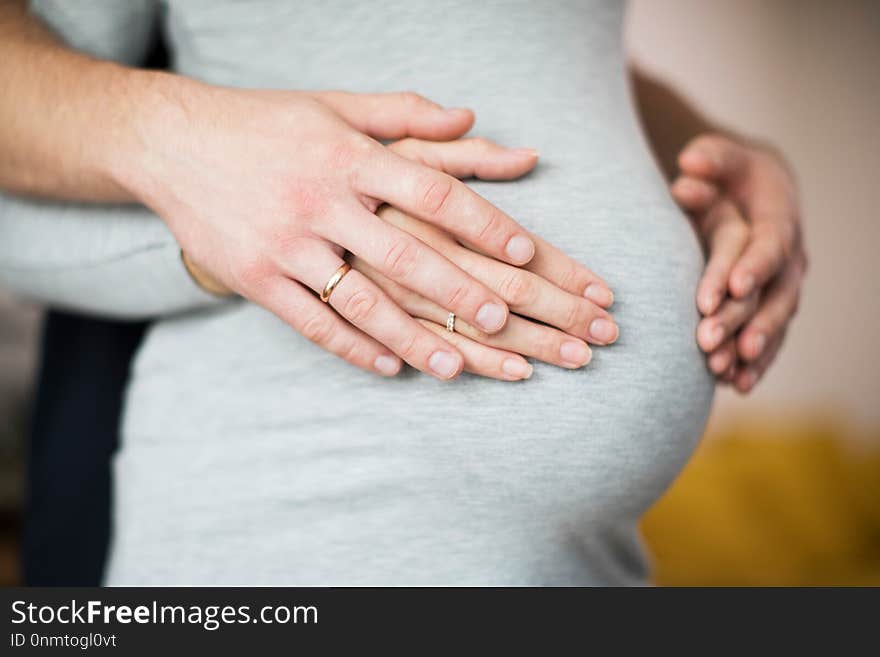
208,283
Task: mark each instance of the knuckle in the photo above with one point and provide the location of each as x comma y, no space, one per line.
361,305
572,278
349,152
570,316
482,143
516,288
352,352
251,272
408,347
406,146
318,328
456,296
493,228
411,99
286,245
401,259
435,196
305,200
547,344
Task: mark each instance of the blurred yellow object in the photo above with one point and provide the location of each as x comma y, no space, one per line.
772,504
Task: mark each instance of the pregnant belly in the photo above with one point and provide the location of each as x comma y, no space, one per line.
234,420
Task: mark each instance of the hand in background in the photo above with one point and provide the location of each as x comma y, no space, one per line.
744,202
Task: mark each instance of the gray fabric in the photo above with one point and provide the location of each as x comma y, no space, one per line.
113,261
250,456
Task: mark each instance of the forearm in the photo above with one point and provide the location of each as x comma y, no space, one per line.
111,260
67,120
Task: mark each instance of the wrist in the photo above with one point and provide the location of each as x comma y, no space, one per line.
145,129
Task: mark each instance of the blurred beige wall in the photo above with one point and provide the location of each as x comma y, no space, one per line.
805,74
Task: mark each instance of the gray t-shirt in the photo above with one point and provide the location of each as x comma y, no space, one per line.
250,456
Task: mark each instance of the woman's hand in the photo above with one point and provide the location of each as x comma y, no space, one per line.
265,190
551,288
744,200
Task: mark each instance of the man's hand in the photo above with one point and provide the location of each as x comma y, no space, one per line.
744,200
265,190
567,319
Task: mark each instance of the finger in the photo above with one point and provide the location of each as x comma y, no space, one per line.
733,313
694,194
726,234
469,158
723,357
553,267
519,335
366,306
778,306
407,260
748,375
530,295
482,360
761,261
440,199
543,343
772,207
714,157
304,312
397,115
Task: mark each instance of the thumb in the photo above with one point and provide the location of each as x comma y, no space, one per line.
398,115
714,157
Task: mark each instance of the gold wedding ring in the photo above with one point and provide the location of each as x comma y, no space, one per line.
337,276
450,322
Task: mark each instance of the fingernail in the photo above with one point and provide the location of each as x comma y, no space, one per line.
574,353
516,368
525,151
520,249
491,316
717,362
716,336
598,293
387,365
603,330
747,283
458,111
750,378
759,342
709,302
443,363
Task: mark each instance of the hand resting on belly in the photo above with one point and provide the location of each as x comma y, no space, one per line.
567,300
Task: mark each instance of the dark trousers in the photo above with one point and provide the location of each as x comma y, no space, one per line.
74,433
